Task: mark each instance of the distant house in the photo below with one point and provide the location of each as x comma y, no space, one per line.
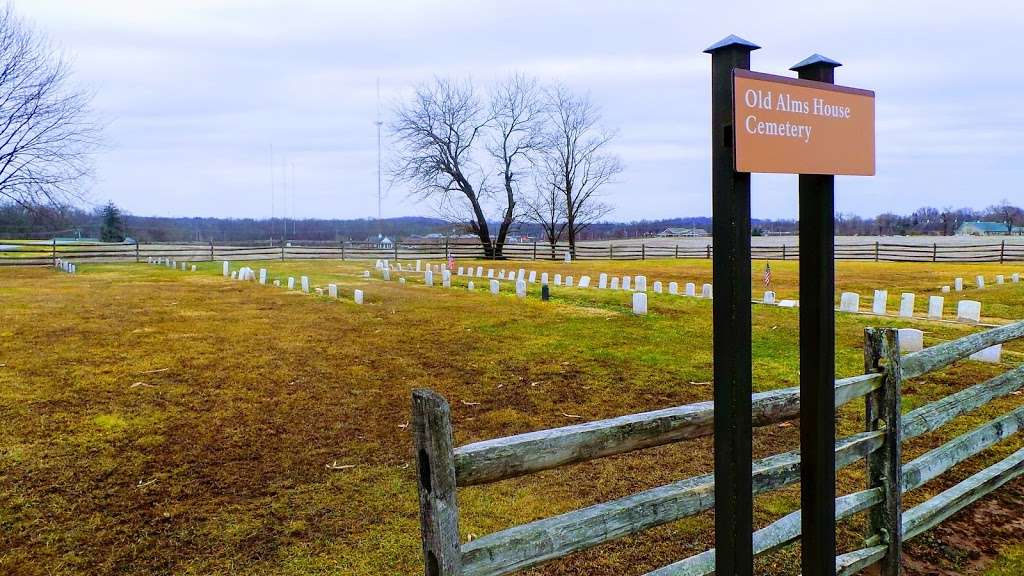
986,229
382,242
675,232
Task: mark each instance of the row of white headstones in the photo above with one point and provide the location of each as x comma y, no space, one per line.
248,274
173,264
979,282
522,277
65,266
911,340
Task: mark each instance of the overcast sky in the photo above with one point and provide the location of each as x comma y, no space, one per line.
196,92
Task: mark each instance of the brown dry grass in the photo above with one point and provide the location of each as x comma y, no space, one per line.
217,462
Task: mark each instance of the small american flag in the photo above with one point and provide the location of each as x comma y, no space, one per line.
451,262
767,274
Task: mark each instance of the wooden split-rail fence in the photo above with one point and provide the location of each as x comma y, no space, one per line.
42,253
444,467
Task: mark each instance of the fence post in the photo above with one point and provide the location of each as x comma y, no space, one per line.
709,251
54,252
136,251
677,251
643,251
211,249
611,251
534,249
435,459
395,246
1002,251
882,412
783,251
935,251
343,248
876,250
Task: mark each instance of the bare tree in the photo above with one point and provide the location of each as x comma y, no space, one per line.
517,137
46,134
577,162
438,134
546,208
1007,214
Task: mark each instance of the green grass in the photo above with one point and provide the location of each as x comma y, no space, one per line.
158,421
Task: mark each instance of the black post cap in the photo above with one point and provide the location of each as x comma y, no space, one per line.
815,60
731,41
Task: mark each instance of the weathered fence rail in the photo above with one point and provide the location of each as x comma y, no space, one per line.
443,467
40,253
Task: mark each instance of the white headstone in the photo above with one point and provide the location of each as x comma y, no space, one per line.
640,303
357,296
615,283
521,288
479,271
495,286
418,266
657,287
849,302
543,277
602,281
568,281
568,257
958,284
490,272
935,305
968,311
690,289
533,277
980,281
332,290
401,280
706,291
511,275
769,297
911,340
277,283
386,272
1000,279
673,288
305,284
234,274
446,279
907,305
788,303
462,271
428,278
879,302
584,282
226,266
558,279
945,289
501,274
522,274
991,354
626,282
366,273
263,275
641,283
320,291
1015,277
291,283
469,286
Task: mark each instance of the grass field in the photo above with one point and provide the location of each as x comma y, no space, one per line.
156,421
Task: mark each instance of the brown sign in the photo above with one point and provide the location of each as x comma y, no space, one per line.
792,126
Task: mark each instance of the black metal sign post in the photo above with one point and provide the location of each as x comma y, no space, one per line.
731,322
817,356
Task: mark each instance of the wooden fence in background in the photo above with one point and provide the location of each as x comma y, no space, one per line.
41,253
443,467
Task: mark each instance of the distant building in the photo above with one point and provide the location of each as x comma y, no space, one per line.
675,232
382,242
986,229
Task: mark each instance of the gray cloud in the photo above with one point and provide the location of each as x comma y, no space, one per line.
196,92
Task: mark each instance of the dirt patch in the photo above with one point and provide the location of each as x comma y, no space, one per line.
969,541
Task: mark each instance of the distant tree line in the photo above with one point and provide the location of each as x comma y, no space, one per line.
111,223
